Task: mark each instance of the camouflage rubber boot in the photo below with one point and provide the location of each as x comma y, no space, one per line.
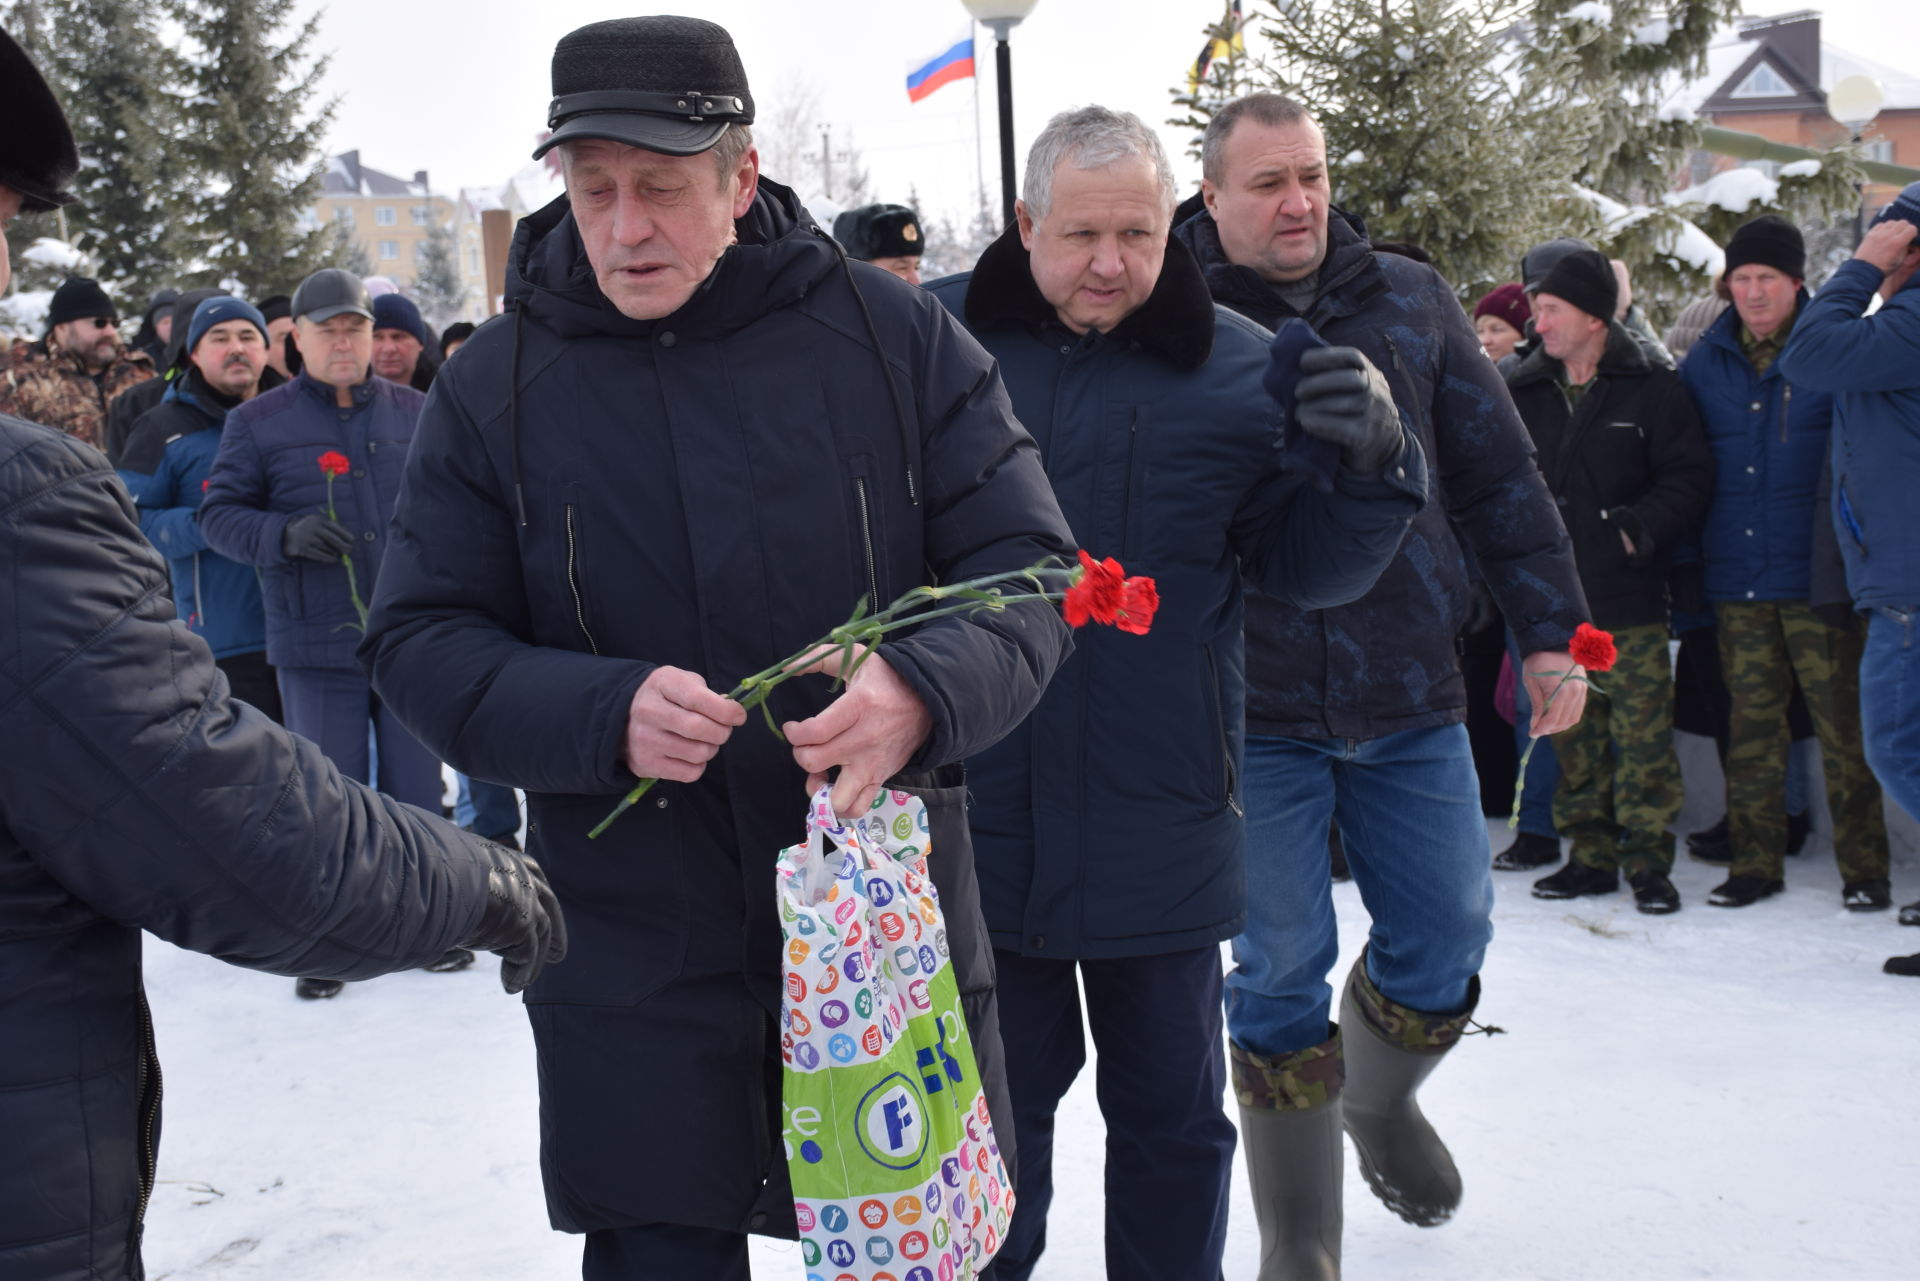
1390,1050
1290,1132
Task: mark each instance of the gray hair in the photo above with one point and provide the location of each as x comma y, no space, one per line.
726,153
1092,138
1270,109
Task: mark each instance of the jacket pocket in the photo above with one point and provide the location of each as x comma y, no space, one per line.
864,518
572,555
1228,773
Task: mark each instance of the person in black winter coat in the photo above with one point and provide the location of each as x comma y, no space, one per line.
1163,446
1356,712
698,439
135,793
1624,453
133,404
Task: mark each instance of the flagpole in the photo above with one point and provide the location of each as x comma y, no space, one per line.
979,156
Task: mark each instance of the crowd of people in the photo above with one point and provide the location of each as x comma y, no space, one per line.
705,426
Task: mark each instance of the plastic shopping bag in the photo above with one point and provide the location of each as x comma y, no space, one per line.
896,1174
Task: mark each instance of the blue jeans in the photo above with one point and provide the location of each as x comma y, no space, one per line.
488,808
1890,703
1408,805
1543,770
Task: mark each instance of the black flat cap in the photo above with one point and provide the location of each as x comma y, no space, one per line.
667,84
37,155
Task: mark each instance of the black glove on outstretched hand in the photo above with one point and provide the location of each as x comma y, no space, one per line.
314,537
522,924
1342,398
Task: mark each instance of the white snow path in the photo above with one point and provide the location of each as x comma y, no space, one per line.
1717,1094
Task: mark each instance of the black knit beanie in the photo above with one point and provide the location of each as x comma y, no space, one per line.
1585,279
1770,241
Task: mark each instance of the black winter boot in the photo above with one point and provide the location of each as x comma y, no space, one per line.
1712,844
1653,893
1743,891
1867,896
1528,851
317,989
1290,1126
1390,1050
1577,880
1910,914
1907,966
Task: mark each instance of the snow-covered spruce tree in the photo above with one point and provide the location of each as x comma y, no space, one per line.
1616,65
343,251
437,288
255,144
115,79
1432,135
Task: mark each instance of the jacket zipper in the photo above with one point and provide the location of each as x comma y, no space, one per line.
573,583
199,595
866,541
1786,405
1226,743
150,1090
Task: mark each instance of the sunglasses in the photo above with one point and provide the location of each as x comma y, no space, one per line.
105,322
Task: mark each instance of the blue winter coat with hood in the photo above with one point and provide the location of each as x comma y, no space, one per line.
1110,824
166,465
591,497
1871,365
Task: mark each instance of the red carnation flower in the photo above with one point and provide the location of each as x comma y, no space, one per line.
1139,599
1098,596
1592,648
335,463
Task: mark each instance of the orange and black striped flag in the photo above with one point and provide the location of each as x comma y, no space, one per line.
1219,46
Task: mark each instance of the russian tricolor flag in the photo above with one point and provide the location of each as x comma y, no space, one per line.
953,63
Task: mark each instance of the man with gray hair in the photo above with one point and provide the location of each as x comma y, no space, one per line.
698,439
1356,712
1108,826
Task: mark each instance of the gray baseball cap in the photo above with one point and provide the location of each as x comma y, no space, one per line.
330,292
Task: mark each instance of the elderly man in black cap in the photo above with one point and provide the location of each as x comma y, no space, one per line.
134,792
1623,453
701,435
888,236
81,365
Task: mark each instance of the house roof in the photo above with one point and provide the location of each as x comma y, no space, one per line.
346,176
1733,56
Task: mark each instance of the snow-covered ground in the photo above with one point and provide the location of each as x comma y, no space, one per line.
1725,1094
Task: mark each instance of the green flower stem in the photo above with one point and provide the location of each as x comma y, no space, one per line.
346,558
921,605
1520,784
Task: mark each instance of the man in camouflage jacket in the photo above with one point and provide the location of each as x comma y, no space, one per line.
78,368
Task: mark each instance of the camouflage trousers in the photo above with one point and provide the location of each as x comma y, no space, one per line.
1764,646
1619,777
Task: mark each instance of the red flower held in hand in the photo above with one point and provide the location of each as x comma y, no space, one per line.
1138,602
1592,648
1099,594
335,463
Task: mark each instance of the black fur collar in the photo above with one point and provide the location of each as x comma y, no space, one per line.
1175,322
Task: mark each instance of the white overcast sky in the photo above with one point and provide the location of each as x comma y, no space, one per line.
460,87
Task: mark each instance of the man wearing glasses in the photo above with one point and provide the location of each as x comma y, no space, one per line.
78,368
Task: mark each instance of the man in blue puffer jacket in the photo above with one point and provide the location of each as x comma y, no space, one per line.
1109,826
303,486
1871,364
166,463
1768,436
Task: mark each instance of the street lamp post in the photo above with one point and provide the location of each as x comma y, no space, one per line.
1001,17
1854,103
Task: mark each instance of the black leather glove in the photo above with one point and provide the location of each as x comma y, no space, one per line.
314,537
522,923
1342,398
1628,522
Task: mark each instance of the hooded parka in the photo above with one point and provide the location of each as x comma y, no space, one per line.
1109,824
590,497
1388,662
1628,456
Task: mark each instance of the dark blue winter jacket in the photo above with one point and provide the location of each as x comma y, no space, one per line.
268,471
1109,824
1768,438
1387,662
165,464
1871,365
134,794
591,497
